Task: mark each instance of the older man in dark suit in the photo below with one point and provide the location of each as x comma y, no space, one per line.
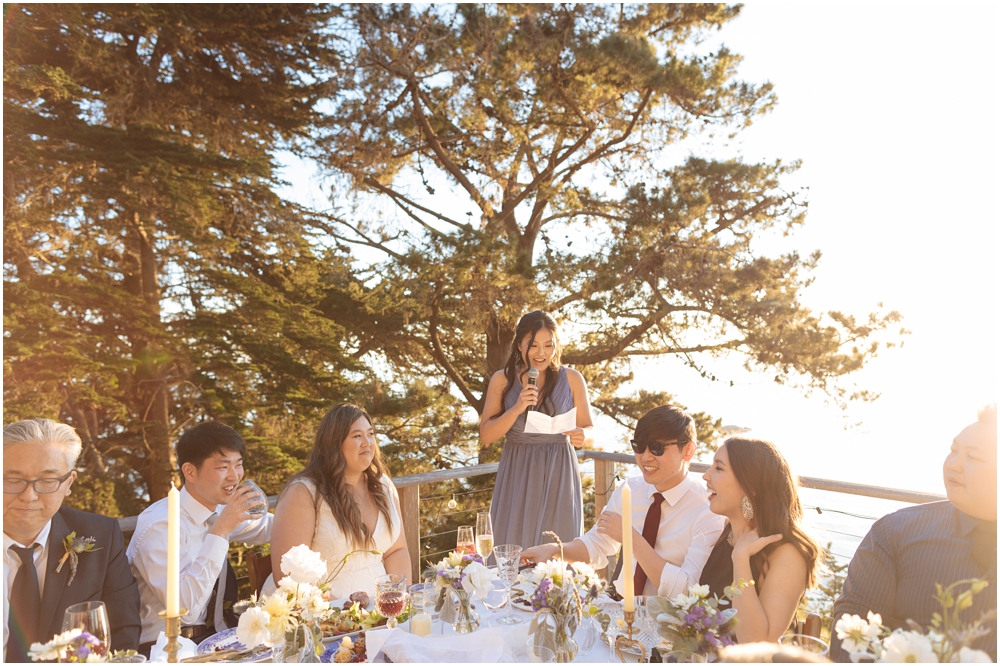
896,567
39,457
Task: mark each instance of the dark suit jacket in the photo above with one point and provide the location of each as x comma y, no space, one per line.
103,575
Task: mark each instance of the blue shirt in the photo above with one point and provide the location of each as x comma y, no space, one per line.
895,569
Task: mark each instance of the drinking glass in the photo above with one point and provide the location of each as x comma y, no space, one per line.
484,535
805,642
508,560
466,540
91,617
257,508
534,654
683,657
390,596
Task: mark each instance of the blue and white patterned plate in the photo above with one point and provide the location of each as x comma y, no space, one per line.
227,640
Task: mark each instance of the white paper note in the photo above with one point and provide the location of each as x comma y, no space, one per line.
550,425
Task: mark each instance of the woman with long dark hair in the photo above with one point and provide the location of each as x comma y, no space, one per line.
763,542
341,502
538,484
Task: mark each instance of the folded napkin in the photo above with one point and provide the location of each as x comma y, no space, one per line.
482,646
188,648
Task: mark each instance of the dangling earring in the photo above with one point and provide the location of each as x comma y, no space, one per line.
746,508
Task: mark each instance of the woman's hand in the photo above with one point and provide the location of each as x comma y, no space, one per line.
610,524
527,398
576,437
748,543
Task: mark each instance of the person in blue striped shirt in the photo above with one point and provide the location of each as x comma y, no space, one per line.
906,553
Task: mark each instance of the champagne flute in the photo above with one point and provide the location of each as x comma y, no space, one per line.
466,540
390,597
91,617
258,507
508,561
484,535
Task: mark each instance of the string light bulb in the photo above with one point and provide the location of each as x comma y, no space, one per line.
452,504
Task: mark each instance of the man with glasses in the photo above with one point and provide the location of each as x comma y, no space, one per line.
39,457
678,530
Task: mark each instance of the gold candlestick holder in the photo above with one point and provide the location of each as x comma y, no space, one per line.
172,631
622,643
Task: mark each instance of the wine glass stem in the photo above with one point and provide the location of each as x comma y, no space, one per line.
510,602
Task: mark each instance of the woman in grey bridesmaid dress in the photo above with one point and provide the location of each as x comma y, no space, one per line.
538,484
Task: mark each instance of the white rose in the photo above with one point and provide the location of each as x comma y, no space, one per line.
969,656
252,629
478,579
908,647
700,591
303,565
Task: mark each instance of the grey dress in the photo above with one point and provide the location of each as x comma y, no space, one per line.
538,483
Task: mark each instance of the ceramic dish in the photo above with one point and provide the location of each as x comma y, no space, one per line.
226,640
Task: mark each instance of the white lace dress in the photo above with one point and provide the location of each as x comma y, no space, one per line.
332,544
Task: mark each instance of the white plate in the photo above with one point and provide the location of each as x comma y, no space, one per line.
226,640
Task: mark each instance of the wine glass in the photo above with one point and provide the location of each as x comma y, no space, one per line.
484,535
508,561
466,541
258,508
390,596
91,617
805,642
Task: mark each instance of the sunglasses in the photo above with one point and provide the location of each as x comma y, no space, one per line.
656,448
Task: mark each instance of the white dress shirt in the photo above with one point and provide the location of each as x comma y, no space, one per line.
202,560
11,563
688,533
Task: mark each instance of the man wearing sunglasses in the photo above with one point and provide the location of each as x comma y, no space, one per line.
674,531
39,457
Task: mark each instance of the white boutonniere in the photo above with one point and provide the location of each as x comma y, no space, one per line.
75,545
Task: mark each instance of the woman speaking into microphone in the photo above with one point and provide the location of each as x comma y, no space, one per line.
538,484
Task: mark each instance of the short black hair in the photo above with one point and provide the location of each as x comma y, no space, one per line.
205,439
664,423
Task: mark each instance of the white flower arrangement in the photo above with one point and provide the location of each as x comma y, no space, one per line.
947,641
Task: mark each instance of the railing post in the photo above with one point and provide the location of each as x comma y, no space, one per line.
409,504
604,481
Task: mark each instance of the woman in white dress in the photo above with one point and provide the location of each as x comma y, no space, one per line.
343,501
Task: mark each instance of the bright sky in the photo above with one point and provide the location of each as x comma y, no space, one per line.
893,109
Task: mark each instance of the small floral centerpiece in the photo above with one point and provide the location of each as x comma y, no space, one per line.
695,622
948,639
288,621
558,593
456,578
76,647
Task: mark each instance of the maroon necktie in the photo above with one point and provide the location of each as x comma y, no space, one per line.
649,529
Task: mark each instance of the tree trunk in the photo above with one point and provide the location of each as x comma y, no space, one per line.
499,334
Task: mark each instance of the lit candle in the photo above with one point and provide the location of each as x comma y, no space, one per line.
420,625
173,551
627,569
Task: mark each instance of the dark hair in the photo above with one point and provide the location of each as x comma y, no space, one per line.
529,325
326,467
205,439
772,489
664,423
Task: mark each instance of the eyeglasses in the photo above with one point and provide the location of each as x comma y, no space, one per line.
656,448
12,486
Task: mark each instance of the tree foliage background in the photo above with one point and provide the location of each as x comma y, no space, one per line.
482,161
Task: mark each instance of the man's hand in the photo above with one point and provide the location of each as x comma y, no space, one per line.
610,524
540,553
748,543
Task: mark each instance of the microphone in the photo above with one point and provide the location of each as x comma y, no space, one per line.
532,381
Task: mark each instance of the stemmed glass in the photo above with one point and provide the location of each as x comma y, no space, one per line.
466,541
484,535
805,642
91,617
508,561
390,597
